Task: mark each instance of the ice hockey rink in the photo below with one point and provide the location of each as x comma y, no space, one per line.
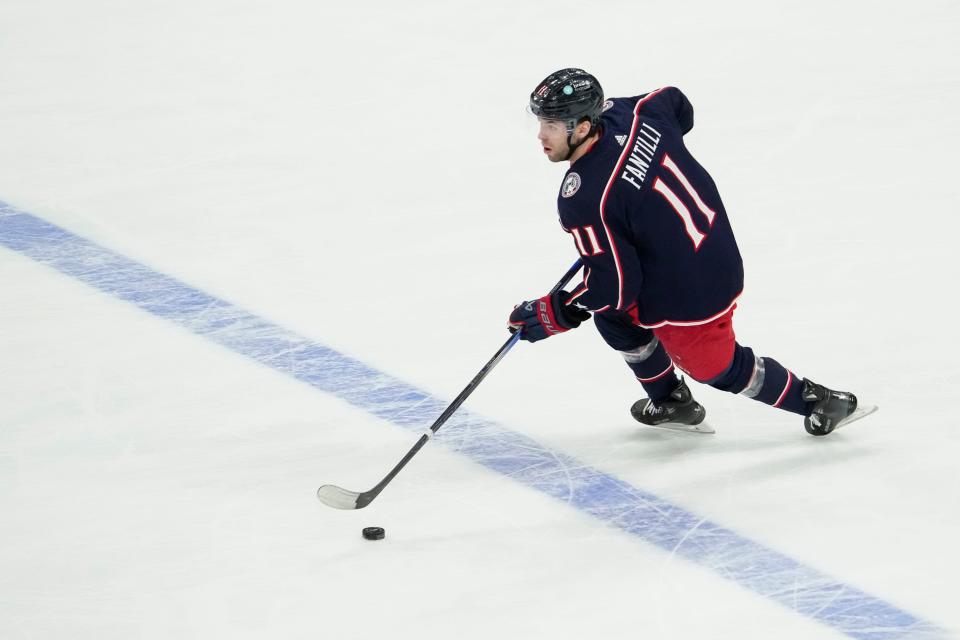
249,248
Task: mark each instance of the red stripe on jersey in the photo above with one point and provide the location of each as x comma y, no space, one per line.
577,292
606,192
585,284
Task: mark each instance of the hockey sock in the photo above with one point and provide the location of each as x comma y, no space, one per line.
653,368
642,351
763,379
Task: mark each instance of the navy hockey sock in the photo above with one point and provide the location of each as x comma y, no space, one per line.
653,368
762,379
642,351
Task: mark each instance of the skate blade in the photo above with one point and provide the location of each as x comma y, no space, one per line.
703,427
861,412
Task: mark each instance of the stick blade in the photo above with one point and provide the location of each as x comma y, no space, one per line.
334,496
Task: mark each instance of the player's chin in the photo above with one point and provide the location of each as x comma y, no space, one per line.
553,155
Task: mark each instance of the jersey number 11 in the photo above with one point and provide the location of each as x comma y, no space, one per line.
696,236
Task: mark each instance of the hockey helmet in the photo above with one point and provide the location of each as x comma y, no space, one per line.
571,95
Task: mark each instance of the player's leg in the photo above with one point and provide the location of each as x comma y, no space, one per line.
668,398
709,353
763,378
642,352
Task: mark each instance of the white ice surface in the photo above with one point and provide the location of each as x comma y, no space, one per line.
365,175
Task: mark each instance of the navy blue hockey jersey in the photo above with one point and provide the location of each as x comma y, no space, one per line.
648,219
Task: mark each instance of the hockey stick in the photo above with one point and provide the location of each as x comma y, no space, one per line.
334,496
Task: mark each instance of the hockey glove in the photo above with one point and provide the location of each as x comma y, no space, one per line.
546,316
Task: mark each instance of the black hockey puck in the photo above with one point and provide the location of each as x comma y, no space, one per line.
374,533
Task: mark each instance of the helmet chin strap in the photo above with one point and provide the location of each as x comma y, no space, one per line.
573,146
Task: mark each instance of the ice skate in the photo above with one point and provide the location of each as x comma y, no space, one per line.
831,409
679,412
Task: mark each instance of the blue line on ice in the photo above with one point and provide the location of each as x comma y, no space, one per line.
612,501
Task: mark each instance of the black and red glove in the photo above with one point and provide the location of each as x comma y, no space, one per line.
546,316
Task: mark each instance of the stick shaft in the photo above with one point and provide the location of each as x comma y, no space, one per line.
367,497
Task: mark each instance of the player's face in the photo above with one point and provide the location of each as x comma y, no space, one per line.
553,139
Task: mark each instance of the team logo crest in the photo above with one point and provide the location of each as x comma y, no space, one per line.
607,105
570,185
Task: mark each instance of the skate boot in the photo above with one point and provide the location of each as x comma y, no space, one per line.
678,411
829,409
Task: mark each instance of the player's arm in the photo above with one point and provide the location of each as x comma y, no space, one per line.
546,316
682,109
671,105
612,278
612,274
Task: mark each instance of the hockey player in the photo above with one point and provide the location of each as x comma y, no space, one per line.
662,271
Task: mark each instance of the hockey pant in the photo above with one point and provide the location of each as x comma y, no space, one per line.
708,353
